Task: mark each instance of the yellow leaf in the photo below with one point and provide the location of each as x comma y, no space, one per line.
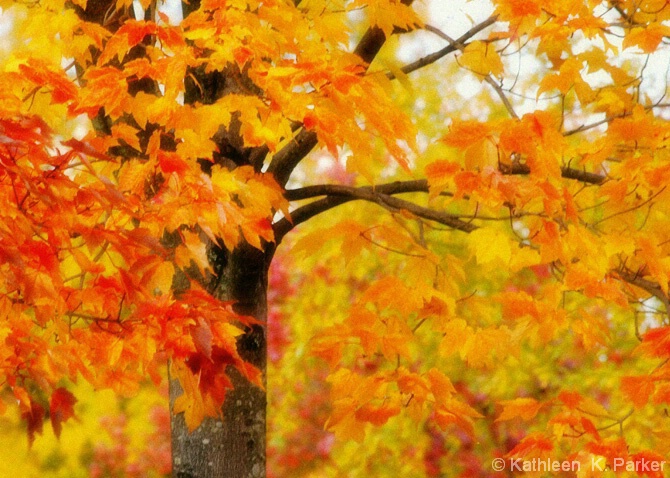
482,58
569,76
490,246
115,352
197,248
456,334
523,257
486,347
161,278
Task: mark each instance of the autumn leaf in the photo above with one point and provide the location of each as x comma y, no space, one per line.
62,89
482,59
202,338
647,38
377,415
192,402
535,445
33,415
490,246
447,247
656,342
638,389
525,408
61,408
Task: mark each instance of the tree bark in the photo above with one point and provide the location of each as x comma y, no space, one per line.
233,447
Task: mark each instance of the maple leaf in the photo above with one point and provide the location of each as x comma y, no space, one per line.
202,338
33,415
41,75
482,59
377,415
647,38
490,246
656,342
61,408
535,445
526,408
192,402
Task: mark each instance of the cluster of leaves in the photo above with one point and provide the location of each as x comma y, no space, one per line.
111,436
524,334
516,327
96,248
86,283
107,237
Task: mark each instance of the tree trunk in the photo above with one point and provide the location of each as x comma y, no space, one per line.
235,446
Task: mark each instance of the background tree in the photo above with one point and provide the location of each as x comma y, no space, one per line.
151,169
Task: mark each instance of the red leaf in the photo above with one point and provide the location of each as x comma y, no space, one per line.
34,417
172,163
61,409
202,338
590,428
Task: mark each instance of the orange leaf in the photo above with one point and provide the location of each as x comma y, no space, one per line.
63,90
570,399
193,403
440,385
533,446
463,134
526,408
637,389
647,38
656,343
130,34
377,415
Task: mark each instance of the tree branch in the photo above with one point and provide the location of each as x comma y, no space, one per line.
460,45
337,194
420,185
566,172
284,162
452,47
651,287
396,187
383,194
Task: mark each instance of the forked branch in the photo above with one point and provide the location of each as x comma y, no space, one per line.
381,195
454,45
284,162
